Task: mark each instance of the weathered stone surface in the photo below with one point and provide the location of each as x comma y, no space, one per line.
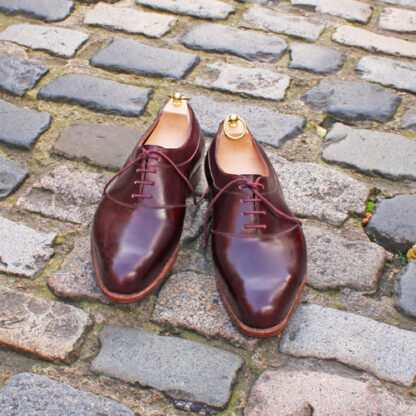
204,9
355,11
127,55
130,20
404,3
66,194
287,392
30,394
75,280
335,262
254,82
370,151
290,24
318,192
48,10
225,39
314,58
405,290
183,369
21,127
47,329
12,174
194,220
97,94
373,42
23,251
409,119
393,224
100,144
55,40
267,126
191,300
19,75
400,75
331,334
398,20
352,100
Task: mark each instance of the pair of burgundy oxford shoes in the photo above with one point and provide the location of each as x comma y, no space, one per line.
258,247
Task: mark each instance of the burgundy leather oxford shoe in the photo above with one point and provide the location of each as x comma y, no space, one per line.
138,223
258,246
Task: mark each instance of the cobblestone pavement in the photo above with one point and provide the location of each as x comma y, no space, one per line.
327,86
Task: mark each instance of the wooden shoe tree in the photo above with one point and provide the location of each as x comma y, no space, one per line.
173,127
236,152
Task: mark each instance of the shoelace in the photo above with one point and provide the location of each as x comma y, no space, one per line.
260,198
148,154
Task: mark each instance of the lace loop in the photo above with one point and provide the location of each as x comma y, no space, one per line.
260,198
149,154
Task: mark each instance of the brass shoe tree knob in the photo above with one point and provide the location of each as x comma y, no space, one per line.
234,127
177,98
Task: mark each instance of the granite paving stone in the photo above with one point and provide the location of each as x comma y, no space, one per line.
12,175
130,20
393,224
19,75
194,220
127,55
66,194
352,101
388,72
254,82
21,127
191,300
335,262
55,40
398,20
224,39
47,10
370,151
23,250
355,11
268,126
204,9
50,330
290,392
75,279
290,24
30,394
374,42
405,290
404,3
97,94
184,370
103,145
315,191
331,334
315,58
409,119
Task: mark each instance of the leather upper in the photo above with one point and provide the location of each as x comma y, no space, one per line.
134,237
261,269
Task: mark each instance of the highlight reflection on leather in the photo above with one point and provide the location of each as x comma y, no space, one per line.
260,270
135,238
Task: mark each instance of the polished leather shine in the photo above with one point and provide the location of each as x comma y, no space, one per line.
260,259
135,239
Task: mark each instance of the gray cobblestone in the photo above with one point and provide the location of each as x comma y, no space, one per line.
409,119
404,3
253,82
405,290
21,127
289,24
97,94
130,20
55,40
19,75
398,20
12,174
247,44
130,56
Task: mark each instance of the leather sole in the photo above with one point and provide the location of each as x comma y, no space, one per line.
132,297
260,332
